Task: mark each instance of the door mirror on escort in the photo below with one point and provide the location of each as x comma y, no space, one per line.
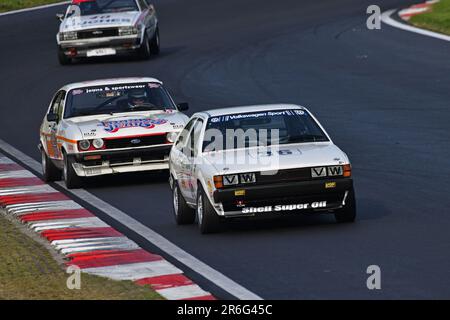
183,106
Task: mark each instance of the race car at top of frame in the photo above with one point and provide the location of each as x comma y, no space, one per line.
93,28
287,164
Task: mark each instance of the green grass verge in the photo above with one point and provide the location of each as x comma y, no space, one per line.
28,271
438,19
8,5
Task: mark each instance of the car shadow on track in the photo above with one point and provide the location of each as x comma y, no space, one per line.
371,209
128,179
295,221
368,209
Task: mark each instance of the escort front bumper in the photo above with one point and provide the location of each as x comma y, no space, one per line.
121,161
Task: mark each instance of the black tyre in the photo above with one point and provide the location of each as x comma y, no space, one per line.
207,218
50,172
62,58
348,212
144,50
155,43
183,213
72,180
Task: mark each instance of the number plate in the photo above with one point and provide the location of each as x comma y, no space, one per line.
101,52
91,171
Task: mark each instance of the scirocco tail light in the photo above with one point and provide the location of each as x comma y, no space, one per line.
347,170
218,182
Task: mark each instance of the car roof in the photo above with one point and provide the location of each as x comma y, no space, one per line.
112,81
253,108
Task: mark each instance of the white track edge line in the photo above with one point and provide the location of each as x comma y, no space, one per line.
386,18
216,277
135,271
182,292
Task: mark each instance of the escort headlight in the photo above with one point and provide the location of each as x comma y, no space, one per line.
128,31
66,36
98,143
172,136
84,145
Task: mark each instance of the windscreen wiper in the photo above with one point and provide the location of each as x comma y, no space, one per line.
307,138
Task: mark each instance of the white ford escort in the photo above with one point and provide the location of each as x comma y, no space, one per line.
109,126
92,28
257,161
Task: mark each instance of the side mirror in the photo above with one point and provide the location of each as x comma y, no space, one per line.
60,16
52,117
183,106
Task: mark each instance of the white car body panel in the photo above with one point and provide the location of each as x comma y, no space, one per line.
302,155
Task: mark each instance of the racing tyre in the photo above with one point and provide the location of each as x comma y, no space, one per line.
144,50
63,59
208,220
183,213
155,43
72,180
348,212
50,172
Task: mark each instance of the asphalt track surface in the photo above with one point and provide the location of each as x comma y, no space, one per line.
383,96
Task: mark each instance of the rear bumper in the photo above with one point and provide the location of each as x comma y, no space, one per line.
122,161
284,198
